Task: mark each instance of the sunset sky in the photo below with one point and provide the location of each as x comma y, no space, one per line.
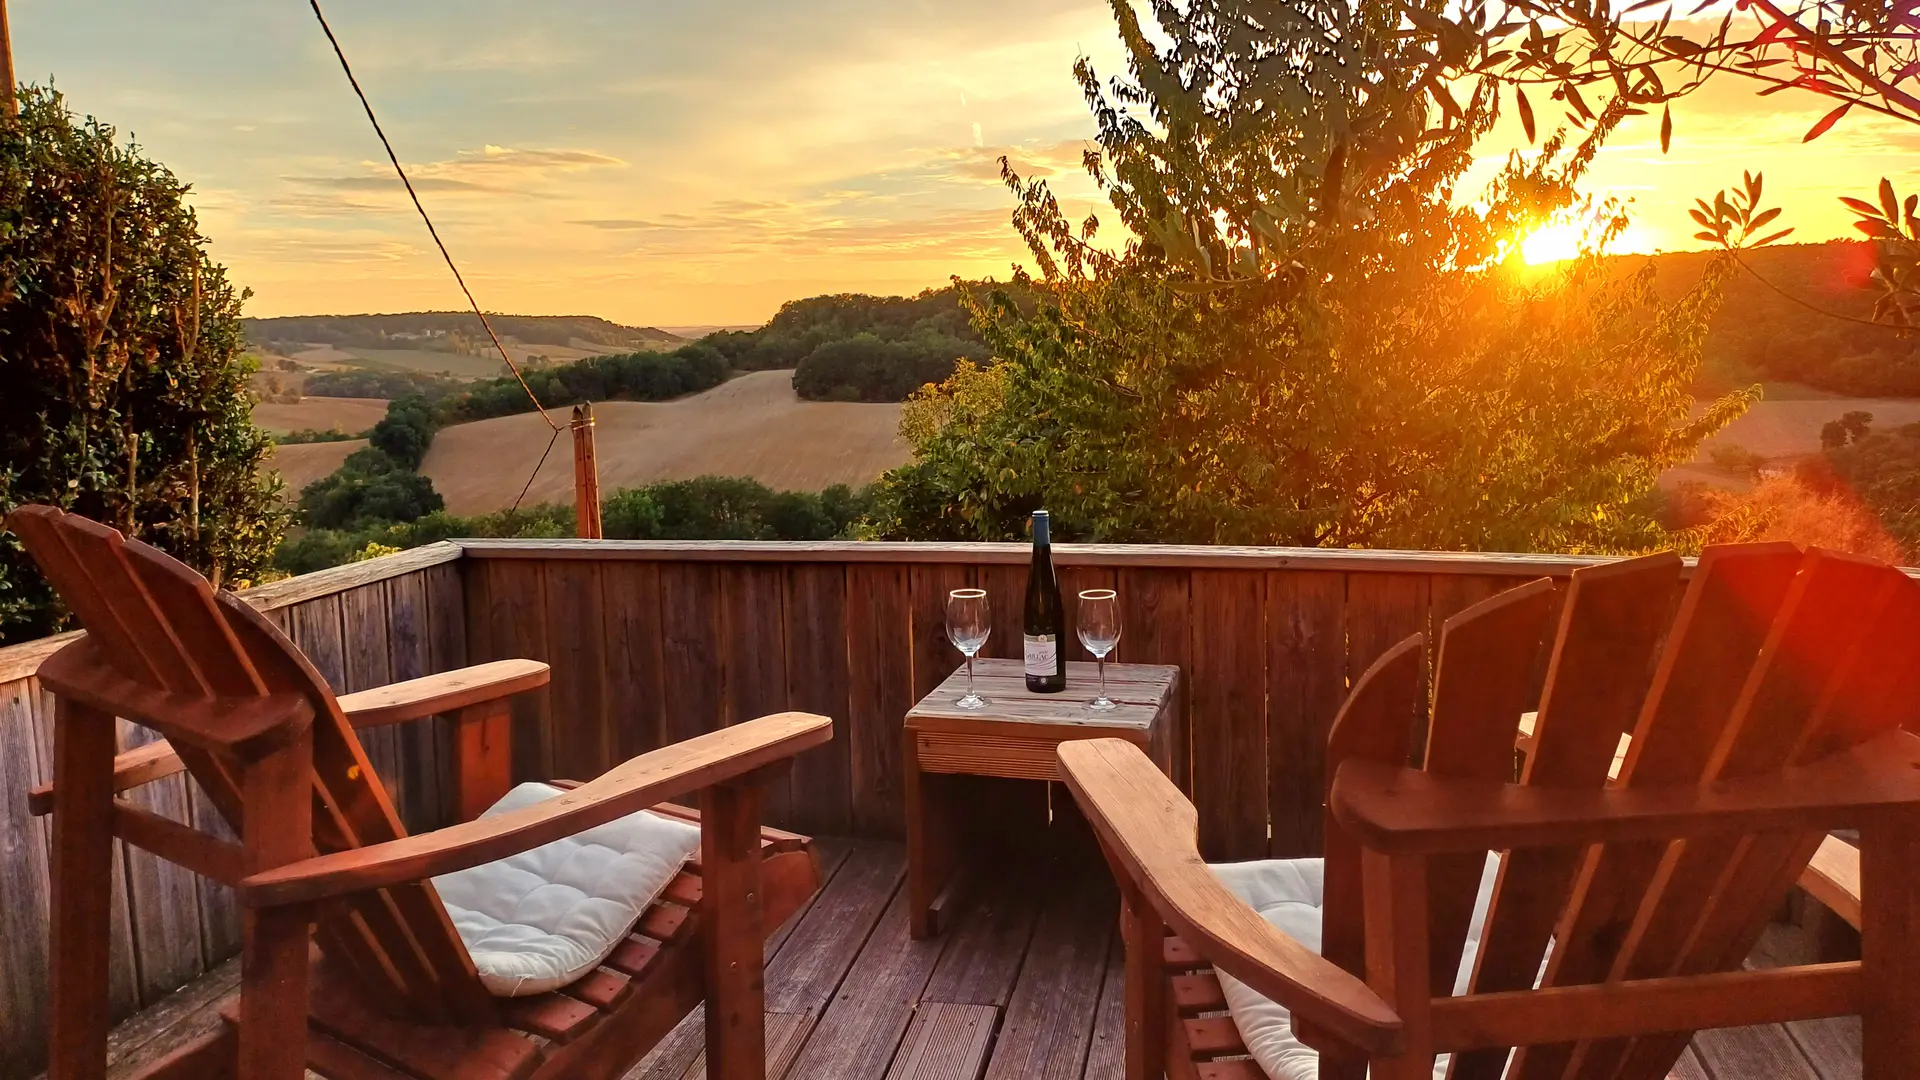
677,163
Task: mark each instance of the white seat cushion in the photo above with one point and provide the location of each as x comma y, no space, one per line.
1289,894
536,921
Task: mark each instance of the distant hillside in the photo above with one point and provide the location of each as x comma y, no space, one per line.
858,347
1760,335
450,331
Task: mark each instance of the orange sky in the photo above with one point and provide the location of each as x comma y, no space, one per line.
676,164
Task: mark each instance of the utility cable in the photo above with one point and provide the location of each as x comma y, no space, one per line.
431,231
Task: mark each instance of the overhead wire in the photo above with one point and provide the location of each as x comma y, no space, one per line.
437,242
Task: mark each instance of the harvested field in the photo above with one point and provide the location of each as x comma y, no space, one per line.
321,414
1788,428
752,426
302,463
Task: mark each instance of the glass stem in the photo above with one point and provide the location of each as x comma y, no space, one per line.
969,676
1103,676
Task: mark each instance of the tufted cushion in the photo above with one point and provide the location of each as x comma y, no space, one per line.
1289,893
536,921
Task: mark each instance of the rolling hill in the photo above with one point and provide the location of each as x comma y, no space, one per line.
751,426
402,331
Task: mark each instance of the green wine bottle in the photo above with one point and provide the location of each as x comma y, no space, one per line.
1044,623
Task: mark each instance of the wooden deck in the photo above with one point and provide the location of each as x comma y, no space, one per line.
1025,987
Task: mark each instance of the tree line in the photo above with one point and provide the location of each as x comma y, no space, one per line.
857,347
402,513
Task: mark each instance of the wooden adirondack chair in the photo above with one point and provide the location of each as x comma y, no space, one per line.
323,859
1764,712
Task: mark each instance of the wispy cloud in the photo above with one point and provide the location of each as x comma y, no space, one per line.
704,162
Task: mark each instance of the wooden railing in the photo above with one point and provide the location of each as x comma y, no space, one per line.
363,624
654,642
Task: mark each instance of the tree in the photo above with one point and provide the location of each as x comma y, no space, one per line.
1850,428
1313,339
369,488
123,388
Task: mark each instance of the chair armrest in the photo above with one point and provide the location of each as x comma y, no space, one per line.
1148,828
442,693
141,765
1406,811
634,785
1833,878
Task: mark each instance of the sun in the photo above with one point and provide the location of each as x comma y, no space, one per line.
1565,240
1552,243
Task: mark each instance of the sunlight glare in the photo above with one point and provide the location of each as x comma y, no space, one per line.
1552,243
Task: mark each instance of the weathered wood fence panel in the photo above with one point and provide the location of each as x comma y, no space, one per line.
363,624
684,638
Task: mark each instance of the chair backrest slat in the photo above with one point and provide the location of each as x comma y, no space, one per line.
1374,724
1480,688
1602,656
161,625
1706,896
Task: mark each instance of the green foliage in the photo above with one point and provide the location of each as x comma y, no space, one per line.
729,508
1318,340
369,488
867,368
1882,469
317,549
1759,334
1737,459
315,435
123,388
706,508
643,376
855,347
380,384
405,433
1850,428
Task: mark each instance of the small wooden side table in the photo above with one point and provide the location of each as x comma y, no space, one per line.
1014,737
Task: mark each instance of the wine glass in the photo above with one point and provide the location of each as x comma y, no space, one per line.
969,622
1099,626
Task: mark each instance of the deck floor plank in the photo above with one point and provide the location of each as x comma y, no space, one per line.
1026,985
988,942
945,1041
861,1029
684,1048
1049,1020
1107,1052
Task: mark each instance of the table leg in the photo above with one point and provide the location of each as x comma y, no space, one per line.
926,859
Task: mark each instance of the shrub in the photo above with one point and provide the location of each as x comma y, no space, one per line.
406,432
314,435
123,383
705,508
369,488
1792,509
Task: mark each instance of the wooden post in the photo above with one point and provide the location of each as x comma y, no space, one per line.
586,475
731,929
483,758
277,804
83,746
1889,950
1146,1001
9,101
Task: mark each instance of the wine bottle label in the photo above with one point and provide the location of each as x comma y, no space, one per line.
1043,655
